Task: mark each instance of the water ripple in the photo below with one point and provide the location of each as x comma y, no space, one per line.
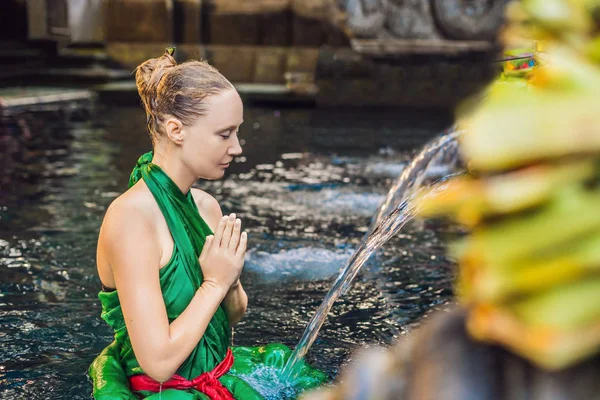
304,207
307,263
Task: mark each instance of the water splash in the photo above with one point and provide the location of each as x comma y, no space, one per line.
393,214
272,384
340,201
385,169
307,263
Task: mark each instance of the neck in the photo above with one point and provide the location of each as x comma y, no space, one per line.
174,168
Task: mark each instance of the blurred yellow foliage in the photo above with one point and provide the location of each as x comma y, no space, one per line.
530,268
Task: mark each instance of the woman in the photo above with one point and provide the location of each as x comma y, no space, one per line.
168,260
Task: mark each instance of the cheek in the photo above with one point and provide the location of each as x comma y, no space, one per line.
207,151
218,147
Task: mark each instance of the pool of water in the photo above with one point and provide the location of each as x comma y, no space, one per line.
306,187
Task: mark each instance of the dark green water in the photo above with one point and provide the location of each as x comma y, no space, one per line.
306,187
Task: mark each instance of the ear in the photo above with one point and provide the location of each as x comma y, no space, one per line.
174,129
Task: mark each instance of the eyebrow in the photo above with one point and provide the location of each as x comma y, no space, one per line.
229,128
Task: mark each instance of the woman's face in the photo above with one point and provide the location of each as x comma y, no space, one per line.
212,142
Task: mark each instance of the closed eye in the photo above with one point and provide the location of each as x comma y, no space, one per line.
229,135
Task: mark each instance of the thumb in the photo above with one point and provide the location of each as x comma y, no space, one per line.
207,245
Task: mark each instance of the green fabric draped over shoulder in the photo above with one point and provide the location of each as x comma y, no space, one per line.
180,278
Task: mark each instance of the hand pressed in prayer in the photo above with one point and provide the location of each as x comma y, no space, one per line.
223,254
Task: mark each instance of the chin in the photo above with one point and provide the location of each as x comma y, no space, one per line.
214,176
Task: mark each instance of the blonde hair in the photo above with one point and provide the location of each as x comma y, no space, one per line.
170,89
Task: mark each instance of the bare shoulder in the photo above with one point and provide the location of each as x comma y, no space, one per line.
132,213
128,242
208,207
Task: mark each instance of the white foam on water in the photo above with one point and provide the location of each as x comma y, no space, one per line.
339,201
270,383
322,202
309,263
387,169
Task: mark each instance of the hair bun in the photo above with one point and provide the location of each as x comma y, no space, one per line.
149,74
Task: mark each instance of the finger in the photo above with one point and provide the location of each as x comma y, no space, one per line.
235,235
220,229
207,244
227,232
241,250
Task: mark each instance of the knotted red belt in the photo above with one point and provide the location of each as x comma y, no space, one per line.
206,383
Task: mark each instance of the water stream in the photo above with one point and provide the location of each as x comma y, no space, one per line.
414,173
398,210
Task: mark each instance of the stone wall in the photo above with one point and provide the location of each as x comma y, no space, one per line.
346,78
221,22
138,20
248,64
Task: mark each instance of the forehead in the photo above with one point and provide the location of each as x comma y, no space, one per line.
224,108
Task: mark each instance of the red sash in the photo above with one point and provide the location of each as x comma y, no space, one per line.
206,383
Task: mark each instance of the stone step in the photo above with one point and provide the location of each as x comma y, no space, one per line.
400,47
126,91
22,99
12,52
8,73
96,72
88,54
17,54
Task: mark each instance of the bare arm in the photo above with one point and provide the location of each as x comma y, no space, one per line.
133,253
235,303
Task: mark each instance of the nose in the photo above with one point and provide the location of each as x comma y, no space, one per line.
236,148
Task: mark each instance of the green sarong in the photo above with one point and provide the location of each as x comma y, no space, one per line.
179,280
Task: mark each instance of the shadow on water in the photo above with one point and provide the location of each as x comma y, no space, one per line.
306,187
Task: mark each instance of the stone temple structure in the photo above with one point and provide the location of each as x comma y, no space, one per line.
421,53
